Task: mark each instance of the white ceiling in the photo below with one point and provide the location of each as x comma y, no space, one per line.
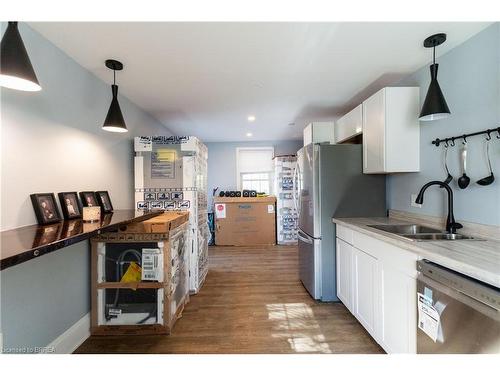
204,79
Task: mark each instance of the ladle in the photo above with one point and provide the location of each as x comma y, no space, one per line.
489,179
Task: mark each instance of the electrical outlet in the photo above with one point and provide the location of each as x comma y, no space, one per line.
413,199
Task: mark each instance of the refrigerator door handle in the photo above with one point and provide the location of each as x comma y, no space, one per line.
304,237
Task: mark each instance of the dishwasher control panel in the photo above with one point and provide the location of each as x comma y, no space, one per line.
484,293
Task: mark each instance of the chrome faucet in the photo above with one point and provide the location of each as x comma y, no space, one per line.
451,224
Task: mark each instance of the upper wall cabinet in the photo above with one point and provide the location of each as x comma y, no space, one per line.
319,132
391,131
349,125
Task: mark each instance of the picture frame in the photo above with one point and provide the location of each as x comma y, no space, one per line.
45,206
89,199
70,205
104,200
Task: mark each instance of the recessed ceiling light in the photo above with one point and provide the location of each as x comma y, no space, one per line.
251,118
249,134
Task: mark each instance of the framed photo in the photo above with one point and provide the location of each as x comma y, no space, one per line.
70,205
88,199
104,201
45,207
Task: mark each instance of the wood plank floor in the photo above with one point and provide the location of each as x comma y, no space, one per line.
252,302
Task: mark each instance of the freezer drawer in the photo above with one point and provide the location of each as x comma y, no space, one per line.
309,264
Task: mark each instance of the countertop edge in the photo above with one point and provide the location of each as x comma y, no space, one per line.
39,251
464,268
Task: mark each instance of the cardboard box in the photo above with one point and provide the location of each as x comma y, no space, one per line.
245,221
159,224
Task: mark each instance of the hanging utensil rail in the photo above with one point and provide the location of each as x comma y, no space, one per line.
438,141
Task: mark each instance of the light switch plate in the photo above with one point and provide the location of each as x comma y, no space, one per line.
413,199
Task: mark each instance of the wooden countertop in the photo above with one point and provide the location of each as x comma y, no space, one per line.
477,259
22,244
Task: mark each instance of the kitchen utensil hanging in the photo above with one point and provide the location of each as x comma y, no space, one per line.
464,180
449,177
488,180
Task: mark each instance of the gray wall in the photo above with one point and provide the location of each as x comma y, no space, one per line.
52,141
469,76
222,160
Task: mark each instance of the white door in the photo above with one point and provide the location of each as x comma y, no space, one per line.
374,133
365,267
397,330
344,273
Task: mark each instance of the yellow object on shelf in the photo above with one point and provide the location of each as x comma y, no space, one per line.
133,273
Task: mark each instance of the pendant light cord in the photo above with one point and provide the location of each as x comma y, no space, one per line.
114,77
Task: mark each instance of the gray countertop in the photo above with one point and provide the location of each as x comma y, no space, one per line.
477,259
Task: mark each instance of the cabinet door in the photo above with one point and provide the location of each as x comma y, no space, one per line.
349,125
374,133
398,311
344,273
365,267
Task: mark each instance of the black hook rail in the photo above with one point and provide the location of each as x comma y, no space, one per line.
488,132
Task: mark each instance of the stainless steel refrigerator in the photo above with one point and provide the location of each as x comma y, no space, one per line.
331,184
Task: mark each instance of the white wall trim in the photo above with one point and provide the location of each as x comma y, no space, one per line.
73,337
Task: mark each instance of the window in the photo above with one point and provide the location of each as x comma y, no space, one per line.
256,181
254,168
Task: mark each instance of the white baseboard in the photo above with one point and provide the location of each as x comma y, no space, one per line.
73,337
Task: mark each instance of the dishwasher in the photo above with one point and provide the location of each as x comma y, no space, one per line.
455,313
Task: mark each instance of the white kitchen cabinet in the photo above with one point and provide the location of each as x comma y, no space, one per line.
397,326
349,125
344,273
319,132
391,131
364,275
376,281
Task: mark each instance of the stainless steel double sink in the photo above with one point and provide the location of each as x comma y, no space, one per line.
416,232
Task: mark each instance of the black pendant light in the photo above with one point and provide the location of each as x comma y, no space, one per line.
114,119
16,71
435,107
